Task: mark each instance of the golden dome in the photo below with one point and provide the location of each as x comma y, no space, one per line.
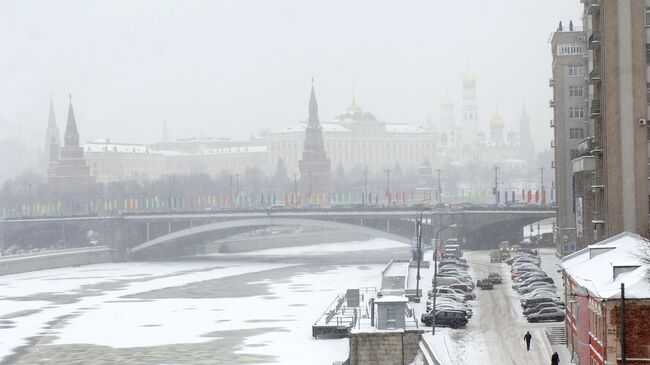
354,108
496,121
447,103
468,76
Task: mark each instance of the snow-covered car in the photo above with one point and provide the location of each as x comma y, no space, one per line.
541,306
547,314
540,292
533,280
532,287
531,274
531,302
468,295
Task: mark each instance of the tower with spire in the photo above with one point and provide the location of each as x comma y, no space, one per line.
52,137
470,125
69,171
525,139
314,166
52,134
165,133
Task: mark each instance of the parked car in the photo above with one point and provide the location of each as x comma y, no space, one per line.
529,281
547,314
532,287
541,306
531,302
531,274
445,318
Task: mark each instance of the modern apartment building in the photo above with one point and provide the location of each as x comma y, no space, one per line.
569,103
617,37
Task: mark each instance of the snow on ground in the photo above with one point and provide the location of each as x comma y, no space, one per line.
494,335
101,315
325,249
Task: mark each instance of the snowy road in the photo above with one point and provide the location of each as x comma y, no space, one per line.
495,333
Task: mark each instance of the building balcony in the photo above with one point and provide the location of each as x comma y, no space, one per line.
594,41
593,7
551,82
594,77
595,110
597,151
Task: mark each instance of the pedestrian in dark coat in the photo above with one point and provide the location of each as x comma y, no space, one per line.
527,338
555,359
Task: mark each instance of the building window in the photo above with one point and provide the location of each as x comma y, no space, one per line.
576,91
647,54
576,112
569,49
576,133
647,93
573,154
647,17
576,71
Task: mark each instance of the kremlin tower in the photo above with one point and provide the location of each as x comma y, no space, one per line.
314,165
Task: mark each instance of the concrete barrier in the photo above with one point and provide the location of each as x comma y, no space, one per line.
54,259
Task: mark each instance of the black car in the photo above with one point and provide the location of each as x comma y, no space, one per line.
445,318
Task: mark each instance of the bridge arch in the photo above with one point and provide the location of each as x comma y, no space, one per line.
262,222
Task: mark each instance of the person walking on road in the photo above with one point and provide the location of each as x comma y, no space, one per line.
555,359
527,338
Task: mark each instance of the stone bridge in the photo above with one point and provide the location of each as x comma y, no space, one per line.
165,235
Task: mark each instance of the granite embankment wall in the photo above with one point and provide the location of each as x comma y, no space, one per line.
391,347
15,264
262,242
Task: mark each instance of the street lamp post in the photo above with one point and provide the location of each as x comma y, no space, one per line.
435,274
388,186
418,235
365,186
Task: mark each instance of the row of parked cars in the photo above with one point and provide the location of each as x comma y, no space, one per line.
539,297
453,288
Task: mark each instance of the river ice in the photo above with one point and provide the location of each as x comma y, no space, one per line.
242,308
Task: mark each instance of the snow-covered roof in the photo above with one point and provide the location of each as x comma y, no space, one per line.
403,128
593,267
220,151
391,299
325,126
105,145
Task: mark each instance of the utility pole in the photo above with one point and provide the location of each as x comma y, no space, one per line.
309,186
169,193
237,184
496,185
542,200
365,186
623,345
439,187
388,186
231,196
295,189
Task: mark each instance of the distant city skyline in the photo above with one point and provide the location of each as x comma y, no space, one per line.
232,69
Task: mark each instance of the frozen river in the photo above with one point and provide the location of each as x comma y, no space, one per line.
254,308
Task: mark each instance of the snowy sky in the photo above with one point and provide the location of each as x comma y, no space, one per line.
229,68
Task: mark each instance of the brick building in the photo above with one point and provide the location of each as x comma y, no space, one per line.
592,281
